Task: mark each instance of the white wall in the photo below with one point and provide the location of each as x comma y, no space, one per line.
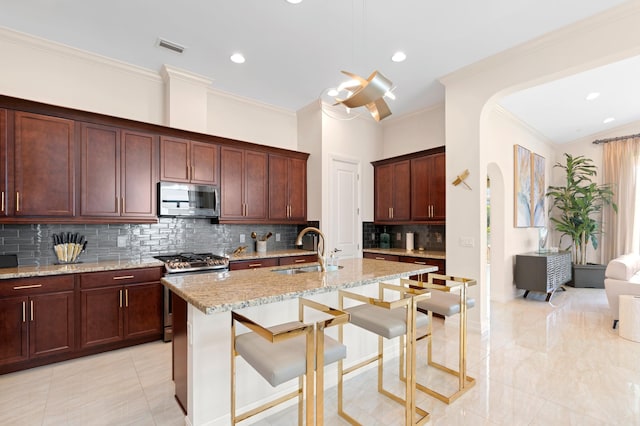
503,130
310,140
413,132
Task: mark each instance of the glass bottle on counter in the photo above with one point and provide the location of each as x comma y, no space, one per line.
385,239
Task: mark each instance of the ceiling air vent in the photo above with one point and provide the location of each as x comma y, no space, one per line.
174,47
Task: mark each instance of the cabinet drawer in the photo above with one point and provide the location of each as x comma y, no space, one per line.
424,261
378,256
119,277
250,264
36,285
295,260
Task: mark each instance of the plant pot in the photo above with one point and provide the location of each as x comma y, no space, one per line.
590,275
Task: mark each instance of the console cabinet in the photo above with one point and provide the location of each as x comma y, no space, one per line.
36,318
188,161
542,272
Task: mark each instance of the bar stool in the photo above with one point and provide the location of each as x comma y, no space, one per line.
387,319
445,303
285,351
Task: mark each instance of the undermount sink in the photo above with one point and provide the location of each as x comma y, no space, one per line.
303,269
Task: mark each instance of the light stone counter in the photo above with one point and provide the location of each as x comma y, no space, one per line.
75,268
224,291
270,253
427,254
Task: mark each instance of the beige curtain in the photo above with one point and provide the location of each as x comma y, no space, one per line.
621,231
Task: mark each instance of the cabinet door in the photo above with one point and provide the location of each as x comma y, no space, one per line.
44,151
139,156
383,182
4,165
297,190
437,187
256,183
100,193
13,330
101,312
204,163
51,327
231,181
401,191
278,188
420,175
143,309
174,159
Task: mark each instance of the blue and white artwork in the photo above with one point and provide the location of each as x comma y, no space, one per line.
522,187
539,190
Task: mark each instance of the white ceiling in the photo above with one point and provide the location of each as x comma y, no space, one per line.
295,52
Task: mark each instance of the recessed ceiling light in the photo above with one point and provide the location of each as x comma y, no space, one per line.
593,95
332,92
608,120
238,58
293,1
399,57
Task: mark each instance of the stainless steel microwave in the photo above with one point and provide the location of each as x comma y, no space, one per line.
188,200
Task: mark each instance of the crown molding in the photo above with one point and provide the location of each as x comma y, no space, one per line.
49,46
399,118
525,126
250,101
168,72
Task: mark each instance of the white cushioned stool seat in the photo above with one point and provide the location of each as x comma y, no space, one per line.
444,303
286,360
384,322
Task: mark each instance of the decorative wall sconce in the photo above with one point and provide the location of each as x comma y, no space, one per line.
460,179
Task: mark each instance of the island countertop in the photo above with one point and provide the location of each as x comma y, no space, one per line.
427,254
224,291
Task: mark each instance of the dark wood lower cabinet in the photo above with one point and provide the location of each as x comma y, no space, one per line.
51,319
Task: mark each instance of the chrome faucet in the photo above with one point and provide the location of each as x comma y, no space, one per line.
319,252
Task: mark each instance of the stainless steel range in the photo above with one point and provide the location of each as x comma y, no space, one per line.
187,263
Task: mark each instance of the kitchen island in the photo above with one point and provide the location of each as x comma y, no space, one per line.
268,297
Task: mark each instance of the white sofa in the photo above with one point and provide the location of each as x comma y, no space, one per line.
622,276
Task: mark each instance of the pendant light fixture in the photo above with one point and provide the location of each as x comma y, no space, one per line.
368,93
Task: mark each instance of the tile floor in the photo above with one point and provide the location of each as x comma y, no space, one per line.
557,363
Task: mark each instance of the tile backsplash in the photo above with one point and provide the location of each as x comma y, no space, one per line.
429,237
34,243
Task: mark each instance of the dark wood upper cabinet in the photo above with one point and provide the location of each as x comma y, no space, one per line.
182,160
44,165
118,172
4,166
287,189
392,196
244,184
428,195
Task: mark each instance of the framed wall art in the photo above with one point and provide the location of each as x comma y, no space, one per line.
522,186
538,191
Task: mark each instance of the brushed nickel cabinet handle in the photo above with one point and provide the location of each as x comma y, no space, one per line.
17,201
120,297
24,311
126,297
31,310
380,258
22,287
124,277
300,261
2,201
420,263
255,265
123,206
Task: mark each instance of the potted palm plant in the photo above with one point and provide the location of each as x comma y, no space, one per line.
579,204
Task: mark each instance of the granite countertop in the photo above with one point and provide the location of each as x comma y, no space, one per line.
403,252
270,253
75,268
224,291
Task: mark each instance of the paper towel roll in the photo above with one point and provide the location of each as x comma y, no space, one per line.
409,239
629,310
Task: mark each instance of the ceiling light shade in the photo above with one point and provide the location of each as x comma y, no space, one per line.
608,120
593,95
369,93
293,1
237,58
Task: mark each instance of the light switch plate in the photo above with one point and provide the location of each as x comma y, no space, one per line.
242,238
398,236
277,237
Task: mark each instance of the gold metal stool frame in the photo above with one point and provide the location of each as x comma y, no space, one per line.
464,382
409,297
314,348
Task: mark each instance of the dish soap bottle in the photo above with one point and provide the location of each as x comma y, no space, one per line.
385,239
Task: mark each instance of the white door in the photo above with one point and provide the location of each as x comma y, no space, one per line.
344,208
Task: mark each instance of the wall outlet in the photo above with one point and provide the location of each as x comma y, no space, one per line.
466,242
242,238
373,236
123,240
398,236
277,237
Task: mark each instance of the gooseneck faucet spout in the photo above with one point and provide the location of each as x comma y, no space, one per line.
320,244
